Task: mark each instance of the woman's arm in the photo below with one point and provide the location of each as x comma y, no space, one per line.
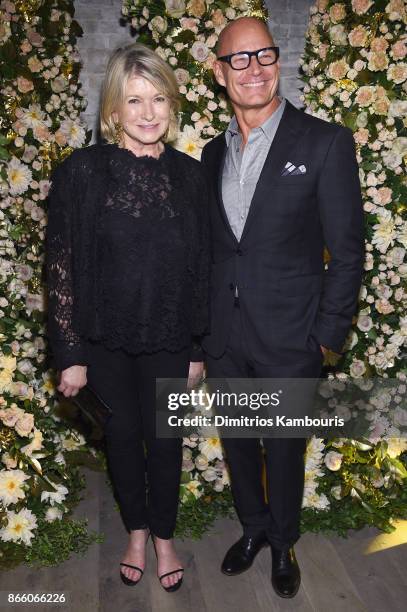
67,347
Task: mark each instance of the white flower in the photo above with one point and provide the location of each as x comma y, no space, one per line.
402,235
19,527
194,487
364,323
189,142
384,232
333,460
210,474
397,72
19,176
159,24
199,51
74,132
357,368
396,446
32,116
201,462
73,442
55,497
398,108
338,35
211,448
175,8
312,499
11,482
53,514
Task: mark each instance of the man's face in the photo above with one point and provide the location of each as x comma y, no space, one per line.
255,86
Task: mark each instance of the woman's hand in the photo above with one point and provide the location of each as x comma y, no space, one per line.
195,375
72,380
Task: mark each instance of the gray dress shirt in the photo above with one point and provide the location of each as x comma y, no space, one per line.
243,166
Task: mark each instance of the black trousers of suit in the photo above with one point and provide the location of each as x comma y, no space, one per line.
127,384
279,518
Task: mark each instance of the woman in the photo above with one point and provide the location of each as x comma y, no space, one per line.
128,268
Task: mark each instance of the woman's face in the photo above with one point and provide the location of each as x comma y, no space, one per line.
144,113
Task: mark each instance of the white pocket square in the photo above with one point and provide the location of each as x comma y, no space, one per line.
291,169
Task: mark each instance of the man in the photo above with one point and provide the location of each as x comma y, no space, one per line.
287,185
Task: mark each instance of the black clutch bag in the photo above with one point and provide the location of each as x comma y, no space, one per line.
92,406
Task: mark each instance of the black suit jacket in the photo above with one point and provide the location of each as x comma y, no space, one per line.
290,304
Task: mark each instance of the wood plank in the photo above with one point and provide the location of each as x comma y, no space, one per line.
377,575
225,593
325,578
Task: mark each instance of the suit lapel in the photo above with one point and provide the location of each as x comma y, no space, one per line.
285,141
219,162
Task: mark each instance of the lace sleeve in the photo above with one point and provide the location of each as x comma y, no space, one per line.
67,347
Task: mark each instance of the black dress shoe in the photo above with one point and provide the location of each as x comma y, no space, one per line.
241,555
286,577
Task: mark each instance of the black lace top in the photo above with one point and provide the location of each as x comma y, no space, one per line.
127,253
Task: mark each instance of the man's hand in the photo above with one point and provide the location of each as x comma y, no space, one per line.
324,350
195,375
72,380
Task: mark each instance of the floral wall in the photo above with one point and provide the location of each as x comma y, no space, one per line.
39,114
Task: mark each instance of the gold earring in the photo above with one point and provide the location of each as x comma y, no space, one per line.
118,133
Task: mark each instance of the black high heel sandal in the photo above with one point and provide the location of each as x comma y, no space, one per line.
173,587
129,581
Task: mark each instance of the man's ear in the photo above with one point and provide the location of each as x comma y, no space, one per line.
218,72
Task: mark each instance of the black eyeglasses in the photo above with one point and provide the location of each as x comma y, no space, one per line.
242,59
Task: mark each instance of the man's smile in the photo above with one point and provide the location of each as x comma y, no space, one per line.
254,84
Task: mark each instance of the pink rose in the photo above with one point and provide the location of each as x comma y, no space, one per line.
10,416
365,95
399,49
361,136
25,47
337,70
358,36
24,85
378,61
379,44
25,424
196,8
361,6
218,18
383,306
189,23
41,132
60,138
383,196
34,64
199,51
34,38
337,12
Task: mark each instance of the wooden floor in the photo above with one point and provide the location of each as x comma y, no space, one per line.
337,574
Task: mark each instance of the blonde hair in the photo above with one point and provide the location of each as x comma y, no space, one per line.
136,60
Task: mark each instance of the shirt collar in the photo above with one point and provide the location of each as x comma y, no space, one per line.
268,127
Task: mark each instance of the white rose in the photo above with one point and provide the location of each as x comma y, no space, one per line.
199,51
333,461
357,368
175,8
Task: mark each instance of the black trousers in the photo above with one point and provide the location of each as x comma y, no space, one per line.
279,518
127,384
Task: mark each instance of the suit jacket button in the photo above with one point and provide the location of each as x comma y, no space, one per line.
239,252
